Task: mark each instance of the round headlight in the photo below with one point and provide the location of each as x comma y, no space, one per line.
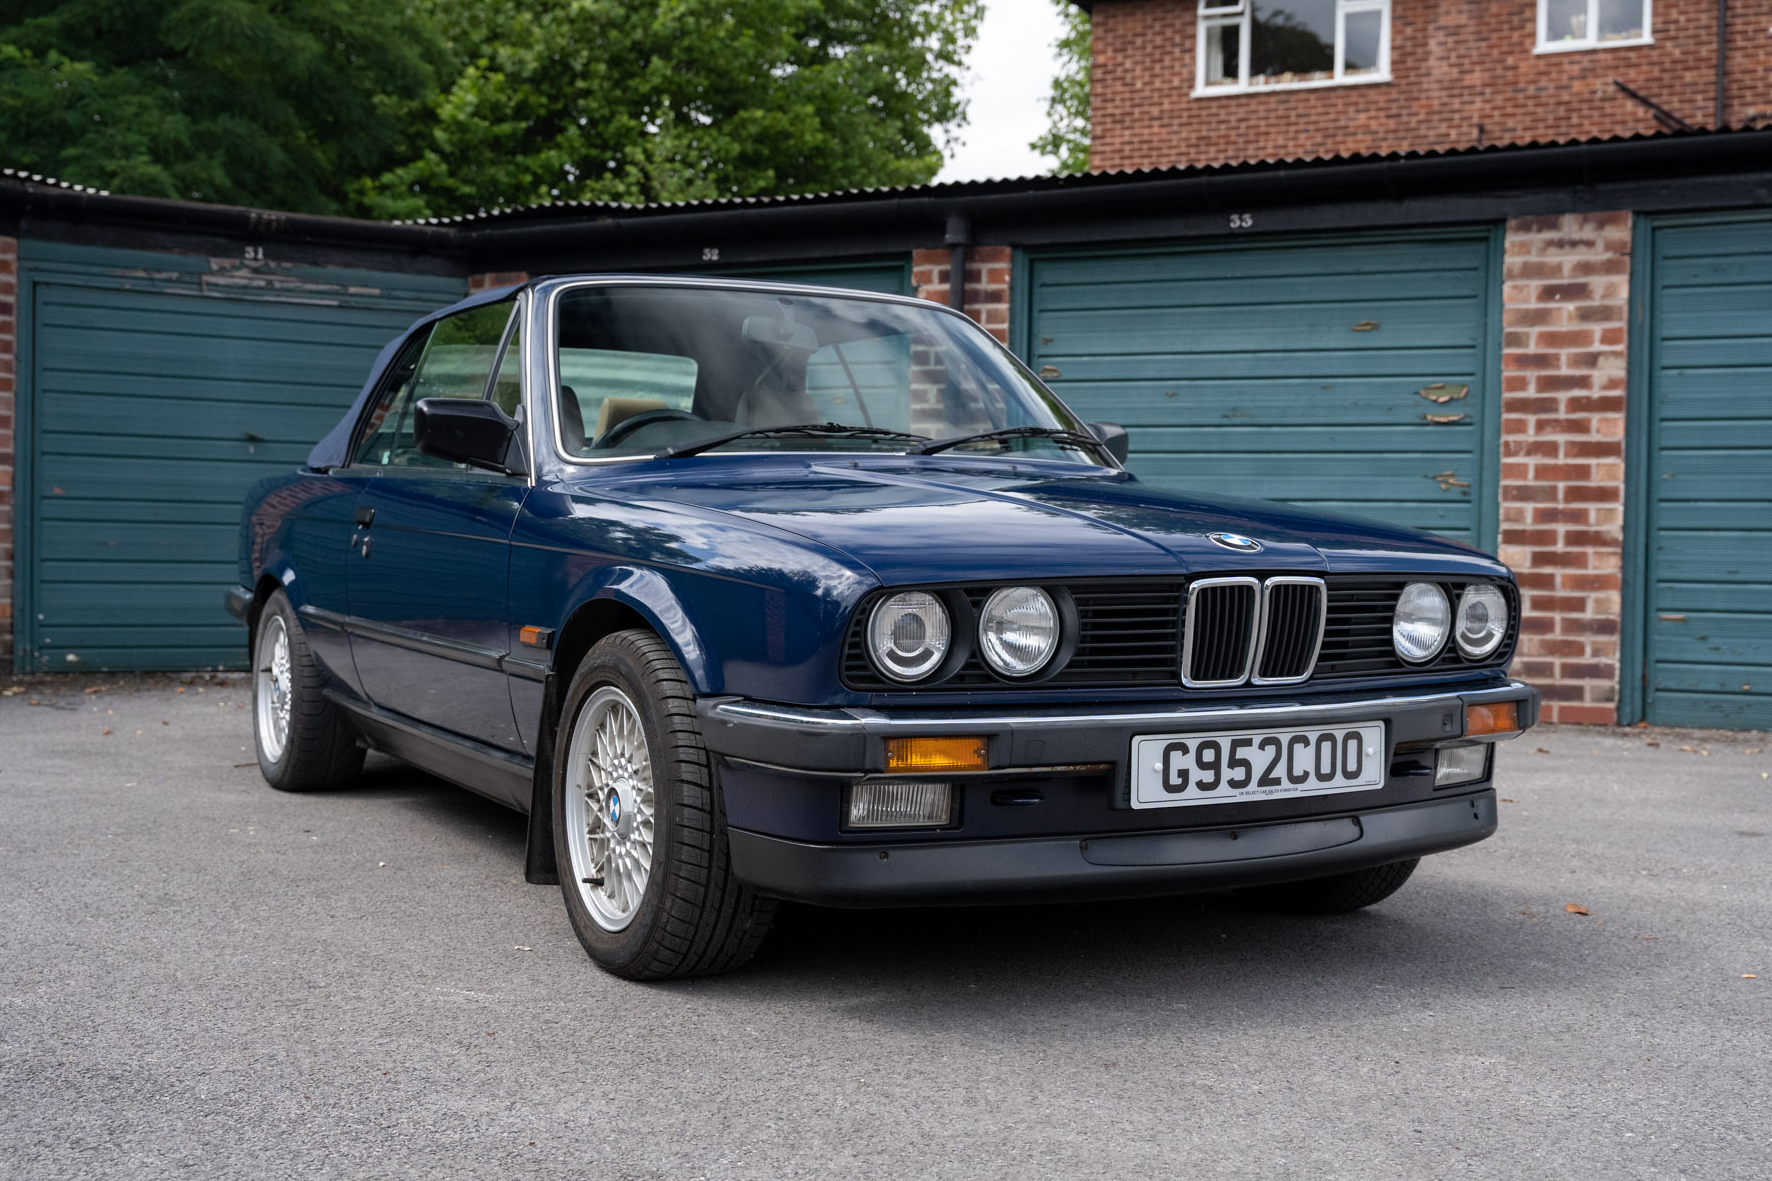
1420,623
908,635
1482,620
1018,630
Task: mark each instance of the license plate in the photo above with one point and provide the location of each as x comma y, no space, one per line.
1178,770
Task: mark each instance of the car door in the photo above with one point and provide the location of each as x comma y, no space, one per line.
430,570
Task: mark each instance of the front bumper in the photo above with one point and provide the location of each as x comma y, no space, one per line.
1108,866
784,771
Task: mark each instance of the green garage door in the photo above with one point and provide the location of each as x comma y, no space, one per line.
1709,521
1352,374
159,390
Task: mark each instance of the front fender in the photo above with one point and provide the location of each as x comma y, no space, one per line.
650,594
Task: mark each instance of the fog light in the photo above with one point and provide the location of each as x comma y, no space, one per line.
894,804
1461,764
1501,717
937,754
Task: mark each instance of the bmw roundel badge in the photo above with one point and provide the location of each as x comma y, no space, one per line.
1236,541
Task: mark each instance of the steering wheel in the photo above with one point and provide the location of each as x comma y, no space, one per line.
628,426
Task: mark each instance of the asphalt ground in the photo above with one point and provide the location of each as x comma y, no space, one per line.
201,977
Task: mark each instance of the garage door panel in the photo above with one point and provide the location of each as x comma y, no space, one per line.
1728,637
1289,327
1708,632
1710,393
112,414
1376,288
1311,264
1306,401
1382,443
1418,366
153,411
1292,371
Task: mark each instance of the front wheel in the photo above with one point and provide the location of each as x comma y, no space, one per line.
1337,894
639,828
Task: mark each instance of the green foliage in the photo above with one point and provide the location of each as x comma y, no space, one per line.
276,103
668,100
1067,141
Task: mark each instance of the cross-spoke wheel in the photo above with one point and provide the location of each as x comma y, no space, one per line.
304,742
639,828
610,813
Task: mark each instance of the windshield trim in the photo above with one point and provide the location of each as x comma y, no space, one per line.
549,291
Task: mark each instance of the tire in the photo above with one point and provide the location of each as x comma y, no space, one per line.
639,826
1339,894
318,748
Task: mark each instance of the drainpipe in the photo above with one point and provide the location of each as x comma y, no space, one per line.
1722,62
959,235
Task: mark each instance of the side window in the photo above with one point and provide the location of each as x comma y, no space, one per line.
452,360
507,387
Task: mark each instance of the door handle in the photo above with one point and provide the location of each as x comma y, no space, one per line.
365,515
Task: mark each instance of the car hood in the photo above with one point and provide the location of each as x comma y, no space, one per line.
945,519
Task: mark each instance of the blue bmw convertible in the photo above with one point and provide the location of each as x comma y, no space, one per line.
747,592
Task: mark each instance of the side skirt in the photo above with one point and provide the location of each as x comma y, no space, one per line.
502,777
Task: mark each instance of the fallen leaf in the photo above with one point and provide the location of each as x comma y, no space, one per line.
245,764
1753,750
1510,801
1531,914
15,690
1691,750
97,689
181,689
1749,976
166,723
104,732
1651,742
34,701
1575,908
1648,938
1543,751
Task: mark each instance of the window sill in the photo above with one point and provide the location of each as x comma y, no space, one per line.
1281,88
1583,46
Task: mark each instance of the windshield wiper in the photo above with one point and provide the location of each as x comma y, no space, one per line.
1059,435
830,430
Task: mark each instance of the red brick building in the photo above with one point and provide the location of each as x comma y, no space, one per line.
1188,82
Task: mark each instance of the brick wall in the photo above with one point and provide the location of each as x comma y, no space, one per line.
8,419
987,283
487,280
1566,303
1463,74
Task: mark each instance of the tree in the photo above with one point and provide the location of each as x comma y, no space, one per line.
1067,141
619,100
278,103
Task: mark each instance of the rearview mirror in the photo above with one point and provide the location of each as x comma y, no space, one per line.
467,430
1113,436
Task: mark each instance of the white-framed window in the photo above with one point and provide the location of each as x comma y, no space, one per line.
1592,24
1248,45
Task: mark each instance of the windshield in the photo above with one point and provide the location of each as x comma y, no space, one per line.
649,369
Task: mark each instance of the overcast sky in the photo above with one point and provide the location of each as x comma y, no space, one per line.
1011,73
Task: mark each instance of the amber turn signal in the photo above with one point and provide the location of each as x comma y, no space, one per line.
1501,717
937,754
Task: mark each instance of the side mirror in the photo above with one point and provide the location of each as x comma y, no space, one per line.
1114,437
466,430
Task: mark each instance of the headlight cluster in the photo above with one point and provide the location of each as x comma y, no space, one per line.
1424,619
911,633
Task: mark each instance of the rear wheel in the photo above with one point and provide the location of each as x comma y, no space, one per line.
1337,894
639,828
304,743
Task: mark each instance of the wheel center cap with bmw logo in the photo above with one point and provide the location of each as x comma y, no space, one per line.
1236,541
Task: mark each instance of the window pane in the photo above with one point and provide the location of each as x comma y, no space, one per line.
1621,20
602,388
1565,20
1292,41
1365,30
507,390
455,363
1223,54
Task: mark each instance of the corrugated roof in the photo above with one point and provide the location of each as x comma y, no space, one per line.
38,178
1033,184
